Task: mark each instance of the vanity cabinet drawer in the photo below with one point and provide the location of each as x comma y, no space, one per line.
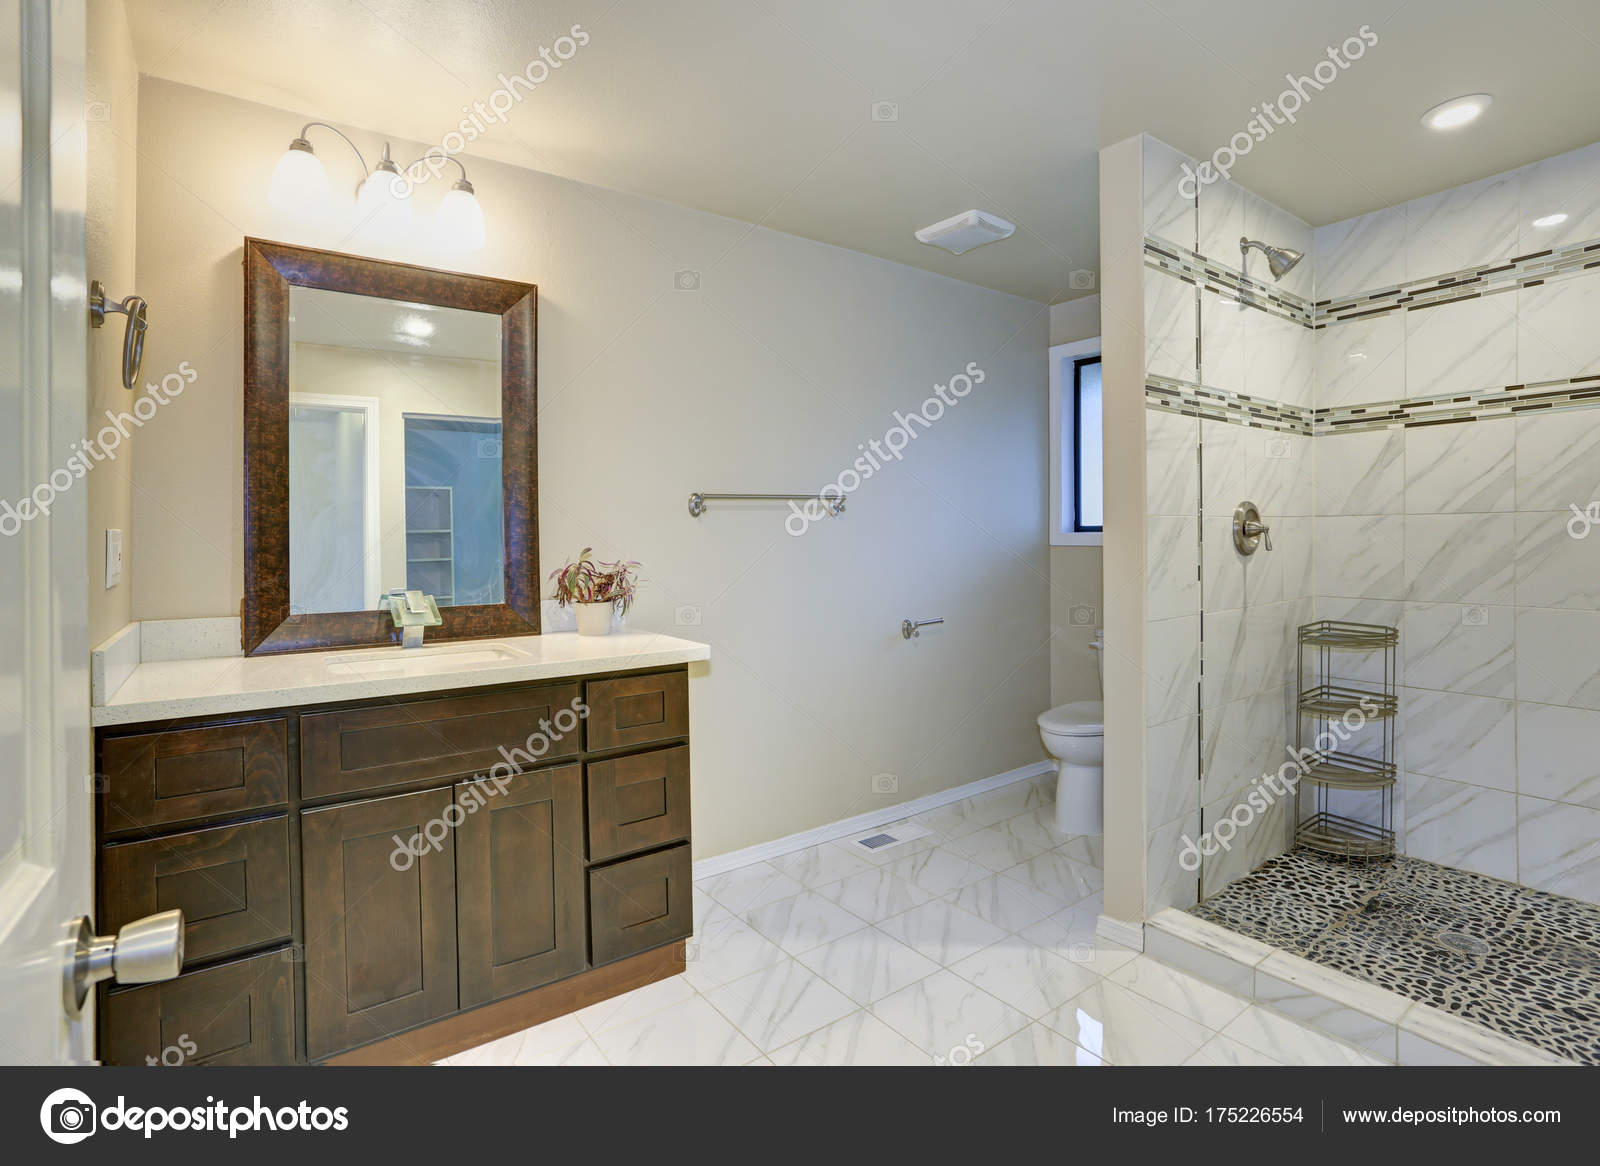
239,1013
637,802
640,903
638,710
177,775
231,882
405,742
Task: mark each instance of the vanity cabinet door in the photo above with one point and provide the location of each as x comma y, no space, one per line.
520,887
380,918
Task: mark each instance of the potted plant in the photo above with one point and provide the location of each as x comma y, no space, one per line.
597,590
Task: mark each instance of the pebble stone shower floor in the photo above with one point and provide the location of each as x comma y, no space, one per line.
1524,963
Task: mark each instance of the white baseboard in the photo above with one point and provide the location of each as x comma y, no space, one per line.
1120,932
706,867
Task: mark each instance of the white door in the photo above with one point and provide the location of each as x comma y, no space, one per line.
45,815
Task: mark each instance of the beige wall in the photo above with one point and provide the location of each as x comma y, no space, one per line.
112,88
1074,571
788,356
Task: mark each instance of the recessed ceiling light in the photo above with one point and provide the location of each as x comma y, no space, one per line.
1550,220
1456,112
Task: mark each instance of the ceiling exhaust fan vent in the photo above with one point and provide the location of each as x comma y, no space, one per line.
963,232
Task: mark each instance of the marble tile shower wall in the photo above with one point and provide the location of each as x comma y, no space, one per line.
1459,533
1212,729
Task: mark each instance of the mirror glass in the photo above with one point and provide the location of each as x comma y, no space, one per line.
394,452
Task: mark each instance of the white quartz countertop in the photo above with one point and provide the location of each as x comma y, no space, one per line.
229,684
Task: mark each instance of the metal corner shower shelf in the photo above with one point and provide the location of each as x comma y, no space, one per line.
1327,701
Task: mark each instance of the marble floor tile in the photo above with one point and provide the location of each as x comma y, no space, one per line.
803,922
726,950
632,1005
1185,994
780,1004
1226,1052
1058,876
869,964
1125,1028
1029,978
816,866
1037,1044
949,1017
1005,902
942,931
939,870
859,1039
749,887
875,894
688,1033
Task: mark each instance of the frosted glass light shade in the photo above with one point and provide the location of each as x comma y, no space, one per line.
383,205
459,220
299,184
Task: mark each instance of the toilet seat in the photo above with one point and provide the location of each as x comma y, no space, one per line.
1081,718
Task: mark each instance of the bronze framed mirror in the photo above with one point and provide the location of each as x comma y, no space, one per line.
389,443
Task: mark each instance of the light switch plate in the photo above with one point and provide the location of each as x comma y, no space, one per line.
113,558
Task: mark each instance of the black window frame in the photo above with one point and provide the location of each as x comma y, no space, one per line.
1077,450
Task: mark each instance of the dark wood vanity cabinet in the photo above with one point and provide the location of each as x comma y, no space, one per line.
381,877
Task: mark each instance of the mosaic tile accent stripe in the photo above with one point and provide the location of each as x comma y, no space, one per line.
1510,401
1521,962
1226,281
1470,283
1473,282
1192,400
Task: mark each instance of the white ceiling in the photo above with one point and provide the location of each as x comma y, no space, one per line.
762,109
375,324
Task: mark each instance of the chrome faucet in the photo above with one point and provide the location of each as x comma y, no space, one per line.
412,611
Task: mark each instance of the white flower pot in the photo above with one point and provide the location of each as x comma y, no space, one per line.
594,619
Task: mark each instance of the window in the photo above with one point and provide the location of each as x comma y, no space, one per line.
1077,495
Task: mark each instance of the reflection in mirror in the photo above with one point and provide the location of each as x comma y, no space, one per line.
394,452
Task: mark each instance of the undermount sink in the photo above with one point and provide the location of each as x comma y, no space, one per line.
403,661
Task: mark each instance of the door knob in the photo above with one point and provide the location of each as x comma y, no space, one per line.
142,952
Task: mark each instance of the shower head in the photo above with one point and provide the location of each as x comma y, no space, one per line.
1280,260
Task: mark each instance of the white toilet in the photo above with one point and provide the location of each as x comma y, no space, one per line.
1073,734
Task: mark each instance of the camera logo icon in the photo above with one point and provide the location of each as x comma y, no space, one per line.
1081,279
97,111
885,783
686,616
1081,615
1475,617
686,280
68,1116
489,448
1278,447
885,111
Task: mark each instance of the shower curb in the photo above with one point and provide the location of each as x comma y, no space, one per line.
1387,1024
